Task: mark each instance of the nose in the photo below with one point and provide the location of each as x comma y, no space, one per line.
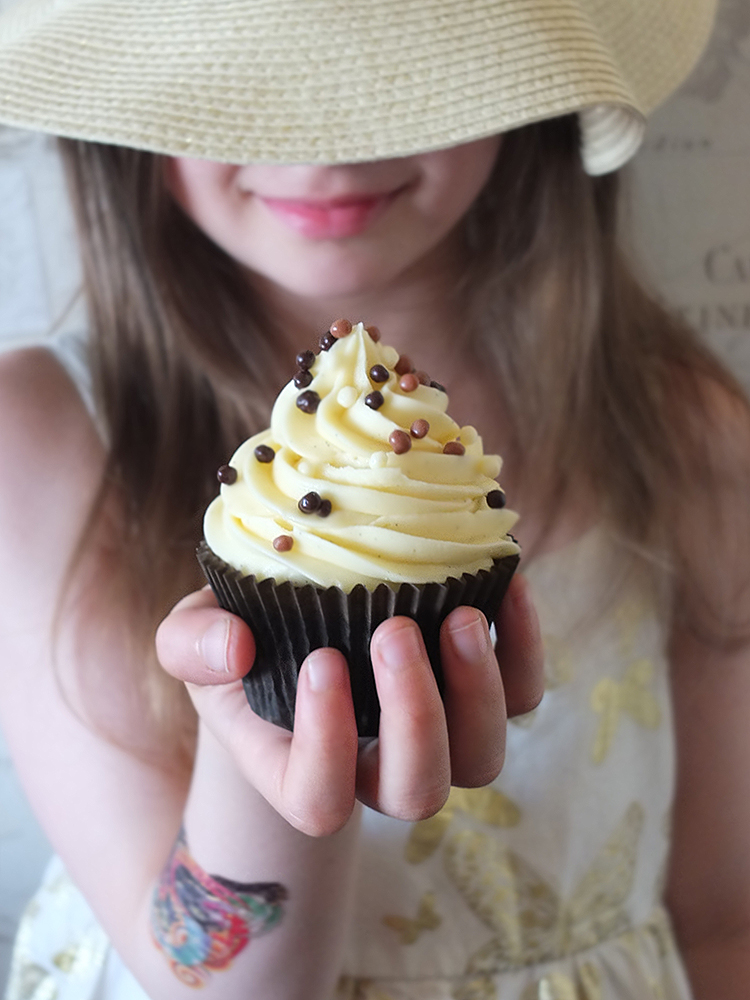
326,181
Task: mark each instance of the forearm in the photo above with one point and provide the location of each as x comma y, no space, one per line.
246,904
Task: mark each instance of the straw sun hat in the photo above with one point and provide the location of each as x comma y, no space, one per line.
335,81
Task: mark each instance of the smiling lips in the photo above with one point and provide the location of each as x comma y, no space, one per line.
336,218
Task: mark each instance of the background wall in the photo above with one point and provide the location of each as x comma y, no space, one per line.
692,177
692,226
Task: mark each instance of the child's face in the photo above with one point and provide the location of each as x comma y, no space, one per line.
332,231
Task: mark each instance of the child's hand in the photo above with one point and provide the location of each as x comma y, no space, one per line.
313,776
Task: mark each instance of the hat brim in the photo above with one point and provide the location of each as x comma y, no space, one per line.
321,81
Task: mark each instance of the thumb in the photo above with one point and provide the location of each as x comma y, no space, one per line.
200,643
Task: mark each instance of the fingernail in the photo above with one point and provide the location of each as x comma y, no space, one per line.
323,671
213,646
399,648
470,640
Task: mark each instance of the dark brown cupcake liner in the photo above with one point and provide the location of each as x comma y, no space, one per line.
289,620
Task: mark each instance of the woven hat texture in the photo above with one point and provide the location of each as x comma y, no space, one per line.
335,81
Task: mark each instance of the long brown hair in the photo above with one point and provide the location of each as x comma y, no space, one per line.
183,369
589,364
603,383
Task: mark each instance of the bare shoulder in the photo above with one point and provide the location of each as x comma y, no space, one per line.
718,415
61,606
35,395
712,517
722,461
51,461
50,453
712,513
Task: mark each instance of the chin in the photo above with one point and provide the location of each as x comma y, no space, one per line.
342,279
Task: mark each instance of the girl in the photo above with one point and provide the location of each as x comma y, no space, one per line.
430,166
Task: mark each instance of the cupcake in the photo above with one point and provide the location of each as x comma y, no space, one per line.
363,500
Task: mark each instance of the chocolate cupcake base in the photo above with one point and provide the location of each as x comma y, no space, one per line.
289,620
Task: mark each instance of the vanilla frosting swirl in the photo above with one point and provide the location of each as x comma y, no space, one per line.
418,516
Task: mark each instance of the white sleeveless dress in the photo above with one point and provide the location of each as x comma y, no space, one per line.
545,885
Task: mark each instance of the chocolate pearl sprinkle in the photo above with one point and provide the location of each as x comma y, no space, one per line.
400,442
403,365
264,453
454,448
423,378
327,341
308,401
374,399
341,328
408,383
283,543
379,373
310,502
495,499
302,378
420,428
305,360
226,474
325,508
374,333
438,386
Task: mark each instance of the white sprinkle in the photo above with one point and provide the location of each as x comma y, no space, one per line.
347,396
468,434
378,460
490,466
390,356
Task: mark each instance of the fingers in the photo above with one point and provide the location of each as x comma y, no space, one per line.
311,777
319,781
474,699
423,747
200,643
308,777
406,772
519,649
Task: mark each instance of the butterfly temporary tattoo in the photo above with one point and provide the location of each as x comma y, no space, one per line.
201,922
